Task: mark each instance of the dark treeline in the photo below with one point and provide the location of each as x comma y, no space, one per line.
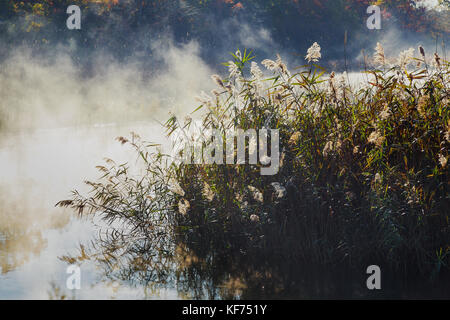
125,28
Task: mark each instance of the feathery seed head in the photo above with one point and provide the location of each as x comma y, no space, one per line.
422,51
233,69
442,161
328,148
376,138
313,53
379,57
437,60
269,64
216,78
405,57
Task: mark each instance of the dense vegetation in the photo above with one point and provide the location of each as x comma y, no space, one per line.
363,180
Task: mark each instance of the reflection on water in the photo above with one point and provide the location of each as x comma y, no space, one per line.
38,170
196,273
18,249
39,241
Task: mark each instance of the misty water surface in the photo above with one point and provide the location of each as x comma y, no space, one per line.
38,170
56,124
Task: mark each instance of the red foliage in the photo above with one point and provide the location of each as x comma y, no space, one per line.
238,6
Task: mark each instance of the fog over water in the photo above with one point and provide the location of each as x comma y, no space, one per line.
58,121
38,170
57,125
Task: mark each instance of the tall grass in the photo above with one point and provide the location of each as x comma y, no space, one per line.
363,176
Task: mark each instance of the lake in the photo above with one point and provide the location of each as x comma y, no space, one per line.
38,170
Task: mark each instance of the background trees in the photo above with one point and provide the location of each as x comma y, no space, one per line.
121,27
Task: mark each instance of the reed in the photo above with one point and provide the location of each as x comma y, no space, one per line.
363,175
